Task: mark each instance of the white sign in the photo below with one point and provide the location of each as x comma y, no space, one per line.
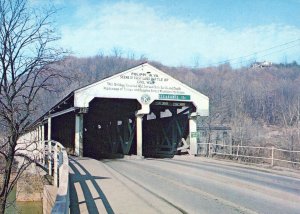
143,83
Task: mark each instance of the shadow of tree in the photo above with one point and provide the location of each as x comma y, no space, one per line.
77,177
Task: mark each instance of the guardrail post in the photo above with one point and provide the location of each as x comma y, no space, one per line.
237,151
55,177
62,201
41,149
230,138
39,146
272,154
60,159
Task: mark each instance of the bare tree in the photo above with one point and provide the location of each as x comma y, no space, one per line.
27,54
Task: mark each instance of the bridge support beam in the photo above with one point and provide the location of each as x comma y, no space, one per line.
40,148
43,142
49,147
193,134
139,135
79,135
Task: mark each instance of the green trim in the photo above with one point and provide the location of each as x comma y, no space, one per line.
174,97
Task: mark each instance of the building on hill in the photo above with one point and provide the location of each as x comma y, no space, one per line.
263,64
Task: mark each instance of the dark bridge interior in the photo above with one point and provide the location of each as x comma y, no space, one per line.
163,133
109,128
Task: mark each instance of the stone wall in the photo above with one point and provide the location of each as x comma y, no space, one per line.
49,197
30,186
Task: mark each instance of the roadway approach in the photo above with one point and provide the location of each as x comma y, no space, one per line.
180,185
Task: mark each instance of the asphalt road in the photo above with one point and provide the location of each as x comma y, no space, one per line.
193,186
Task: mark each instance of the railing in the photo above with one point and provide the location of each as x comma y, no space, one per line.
52,156
270,154
55,156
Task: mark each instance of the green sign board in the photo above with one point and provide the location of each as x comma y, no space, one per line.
174,97
194,134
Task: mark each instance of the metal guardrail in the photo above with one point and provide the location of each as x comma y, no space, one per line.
56,157
269,153
53,158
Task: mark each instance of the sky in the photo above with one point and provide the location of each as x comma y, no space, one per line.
196,33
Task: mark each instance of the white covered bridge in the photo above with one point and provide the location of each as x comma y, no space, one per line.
140,111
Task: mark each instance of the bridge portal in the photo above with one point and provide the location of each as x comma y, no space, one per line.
141,111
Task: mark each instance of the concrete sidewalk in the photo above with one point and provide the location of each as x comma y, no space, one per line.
96,188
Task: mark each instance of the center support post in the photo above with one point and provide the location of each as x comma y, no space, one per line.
193,134
79,135
139,135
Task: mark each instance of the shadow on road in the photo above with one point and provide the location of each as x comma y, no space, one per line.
90,201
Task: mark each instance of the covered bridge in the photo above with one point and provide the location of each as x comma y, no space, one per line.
140,111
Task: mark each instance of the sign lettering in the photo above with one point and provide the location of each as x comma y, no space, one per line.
174,97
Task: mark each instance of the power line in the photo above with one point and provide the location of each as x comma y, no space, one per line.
249,60
256,53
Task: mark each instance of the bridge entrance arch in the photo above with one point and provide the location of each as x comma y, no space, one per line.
140,111
166,127
109,128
